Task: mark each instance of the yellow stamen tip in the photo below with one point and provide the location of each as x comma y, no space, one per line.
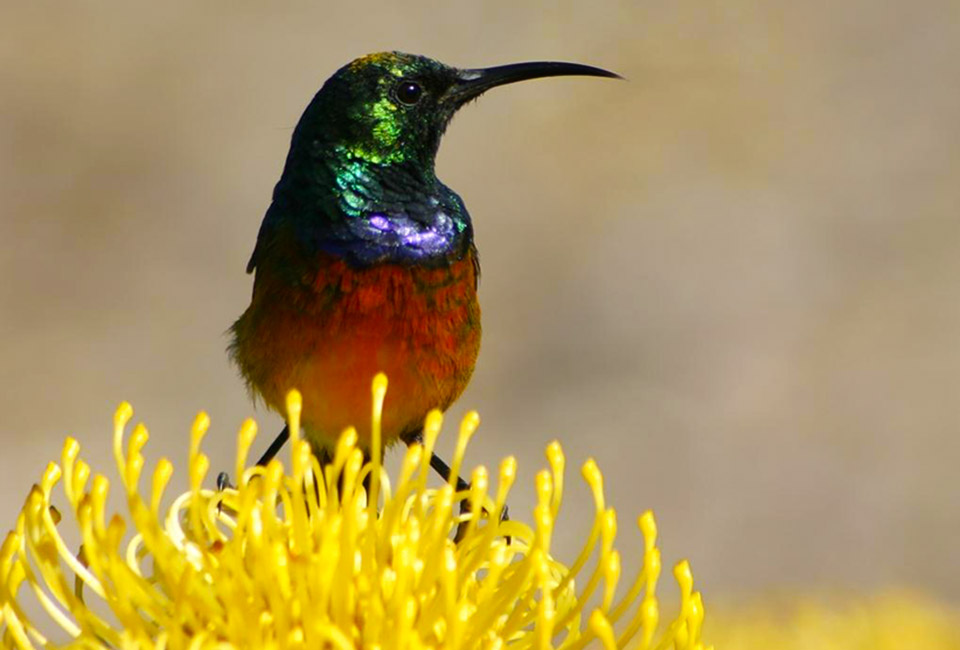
71,448
648,527
508,469
471,420
50,476
591,473
201,423
294,403
684,577
122,415
555,452
433,421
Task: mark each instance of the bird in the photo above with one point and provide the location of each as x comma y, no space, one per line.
365,262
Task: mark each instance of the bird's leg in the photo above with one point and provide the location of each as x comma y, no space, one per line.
322,454
223,479
275,446
441,468
437,463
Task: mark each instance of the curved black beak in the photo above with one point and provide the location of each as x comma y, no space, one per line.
471,83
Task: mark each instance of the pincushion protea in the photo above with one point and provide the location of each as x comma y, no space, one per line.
887,619
304,559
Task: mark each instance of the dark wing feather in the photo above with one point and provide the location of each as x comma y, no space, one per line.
264,236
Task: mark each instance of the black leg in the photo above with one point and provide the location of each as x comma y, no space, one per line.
223,479
441,468
275,446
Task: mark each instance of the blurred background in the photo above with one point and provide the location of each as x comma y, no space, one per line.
733,280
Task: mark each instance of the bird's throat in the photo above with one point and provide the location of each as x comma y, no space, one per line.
396,212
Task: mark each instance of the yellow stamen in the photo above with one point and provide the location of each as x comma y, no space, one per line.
332,556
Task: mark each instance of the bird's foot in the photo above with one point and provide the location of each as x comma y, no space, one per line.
223,483
223,479
465,509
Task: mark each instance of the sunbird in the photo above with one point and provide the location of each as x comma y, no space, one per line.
365,261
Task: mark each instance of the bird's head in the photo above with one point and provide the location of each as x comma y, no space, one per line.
392,107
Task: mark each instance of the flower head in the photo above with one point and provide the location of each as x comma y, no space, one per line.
339,556
890,618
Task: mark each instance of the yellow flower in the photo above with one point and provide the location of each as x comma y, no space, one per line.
305,560
889,620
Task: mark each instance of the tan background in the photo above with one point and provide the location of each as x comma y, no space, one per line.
734,280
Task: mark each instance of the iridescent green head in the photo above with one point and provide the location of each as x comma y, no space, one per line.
359,181
392,107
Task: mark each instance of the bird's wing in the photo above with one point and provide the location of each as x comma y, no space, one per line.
264,236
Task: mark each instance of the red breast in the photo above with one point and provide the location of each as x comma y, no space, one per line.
419,325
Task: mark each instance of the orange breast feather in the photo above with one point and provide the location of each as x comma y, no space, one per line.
421,326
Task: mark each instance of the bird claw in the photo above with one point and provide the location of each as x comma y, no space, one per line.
505,516
223,483
465,509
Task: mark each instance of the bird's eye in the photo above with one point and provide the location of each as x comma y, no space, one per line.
409,92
